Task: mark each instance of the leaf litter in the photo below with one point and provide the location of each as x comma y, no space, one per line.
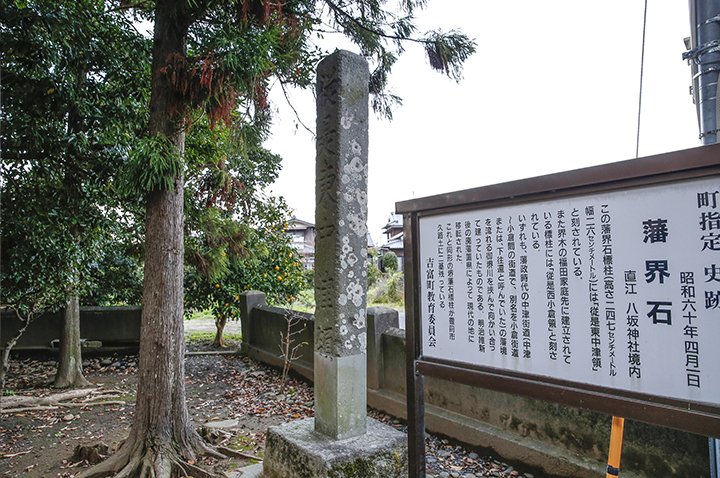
232,400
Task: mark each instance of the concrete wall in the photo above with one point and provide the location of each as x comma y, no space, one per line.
561,440
113,326
266,325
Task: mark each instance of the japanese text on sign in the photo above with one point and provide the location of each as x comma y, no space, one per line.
617,289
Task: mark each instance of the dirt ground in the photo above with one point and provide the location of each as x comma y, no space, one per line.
219,388
231,399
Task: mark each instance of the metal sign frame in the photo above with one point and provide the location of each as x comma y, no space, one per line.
694,417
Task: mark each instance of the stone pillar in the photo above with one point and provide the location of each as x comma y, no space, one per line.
341,246
248,301
340,442
379,319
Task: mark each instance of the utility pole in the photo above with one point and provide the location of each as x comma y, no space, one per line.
704,56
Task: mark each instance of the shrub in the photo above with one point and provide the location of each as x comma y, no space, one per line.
389,289
390,262
395,287
373,274
309,276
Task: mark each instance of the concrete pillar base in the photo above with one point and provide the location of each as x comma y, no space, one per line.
340,395
296,450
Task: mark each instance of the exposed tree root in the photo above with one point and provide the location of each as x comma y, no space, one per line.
74,398
141,459
90,454
13,455
237,454
196,471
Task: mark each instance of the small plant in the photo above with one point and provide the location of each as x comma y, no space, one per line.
373,274
304,301
288,348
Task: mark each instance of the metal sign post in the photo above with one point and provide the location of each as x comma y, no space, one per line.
532,287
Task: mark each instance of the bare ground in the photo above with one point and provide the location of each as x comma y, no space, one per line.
231,398
42,443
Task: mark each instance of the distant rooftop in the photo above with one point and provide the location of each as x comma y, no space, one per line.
298,224
395,220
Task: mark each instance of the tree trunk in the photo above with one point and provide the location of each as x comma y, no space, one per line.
162,441
5,360
69,373
220,323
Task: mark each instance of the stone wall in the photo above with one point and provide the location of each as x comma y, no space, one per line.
561,440
112,326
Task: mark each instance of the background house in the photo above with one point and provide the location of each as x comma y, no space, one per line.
303,240
394,238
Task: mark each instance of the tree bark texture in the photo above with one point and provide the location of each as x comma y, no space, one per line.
162,441
69,373
219,341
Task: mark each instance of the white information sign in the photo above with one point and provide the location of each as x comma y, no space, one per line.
618,289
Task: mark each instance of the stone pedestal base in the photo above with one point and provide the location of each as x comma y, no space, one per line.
296,450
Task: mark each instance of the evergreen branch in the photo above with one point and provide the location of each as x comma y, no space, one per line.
334,32
129,6
335,8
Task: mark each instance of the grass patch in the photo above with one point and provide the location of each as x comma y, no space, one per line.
245,444
199,314
203,337
128,397
399,306
378,297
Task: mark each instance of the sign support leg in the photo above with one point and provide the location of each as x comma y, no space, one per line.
616,440
416,424
714,445
413,336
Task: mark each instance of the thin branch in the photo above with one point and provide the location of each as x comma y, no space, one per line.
132,24
362,26
297,115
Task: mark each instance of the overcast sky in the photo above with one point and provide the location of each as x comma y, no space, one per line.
553,86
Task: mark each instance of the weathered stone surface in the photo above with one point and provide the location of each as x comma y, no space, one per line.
341,402
296,450
341,245
248,301
341,205
251,471
339,442
379,320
